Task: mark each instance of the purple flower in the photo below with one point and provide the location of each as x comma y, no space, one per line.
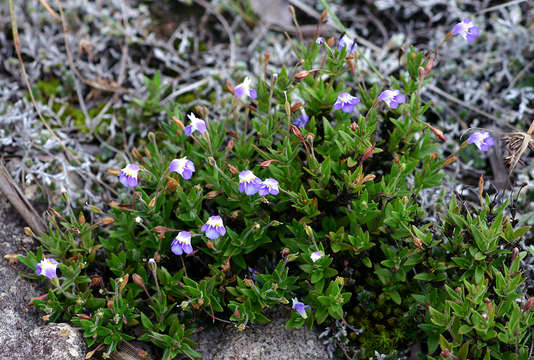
47,267
301,120
268,186
182,243
300,308
482,139
346,102
319,40
252,272
196,125
316,255
466,29
244,90
128,175
182,166
392,98
214,227
248,182
348,42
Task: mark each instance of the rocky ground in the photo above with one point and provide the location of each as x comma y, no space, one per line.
196,48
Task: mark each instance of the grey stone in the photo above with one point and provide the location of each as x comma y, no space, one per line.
271,341
58,342
23,335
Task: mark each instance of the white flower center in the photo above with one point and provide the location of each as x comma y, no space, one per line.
215,222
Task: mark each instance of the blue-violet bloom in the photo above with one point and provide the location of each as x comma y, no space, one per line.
196,125
252,272
214,227
346,102
47,267
128,175
393,98
466,29
482,140
244,90
248,182
182,166
348,42
319,40
268,186
300,308
316,255
301,120
182,243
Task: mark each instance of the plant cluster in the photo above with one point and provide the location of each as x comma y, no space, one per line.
304,196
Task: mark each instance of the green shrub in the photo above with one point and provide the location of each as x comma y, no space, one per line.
344,237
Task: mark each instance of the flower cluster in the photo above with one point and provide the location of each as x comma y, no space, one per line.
250,184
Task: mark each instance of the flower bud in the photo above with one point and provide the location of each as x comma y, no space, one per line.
178,122
212,161
515,253
152,203
229,147
354,126
106,221
331,41
28,231
296,106
137,279
237,314
152,265
296,131
232,169
136,154
266,163
285,252
368,152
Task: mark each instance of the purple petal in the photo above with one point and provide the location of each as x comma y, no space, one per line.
211,233
250,189
274,191
177,249
188,249
221,230
204,227
252,93
173,166
50,273
393,104
239,91
457,29
38,269
187,130
400,98
187,174
338,105
348,108
201,127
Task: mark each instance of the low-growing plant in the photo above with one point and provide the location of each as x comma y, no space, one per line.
305,196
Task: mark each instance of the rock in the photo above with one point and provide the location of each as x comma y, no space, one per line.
22,336
58,342
270,341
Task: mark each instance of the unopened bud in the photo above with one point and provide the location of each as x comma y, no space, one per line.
232,169
331,41
368,177
106,221
237,314
202,111
152,265
213,194
152,203
137,279
421,73
368,152
438,133
210,245
285,252
429,65
229,147
417,242
296,131
354,126
212,161
266,163
248,282
136,154
296,106
446,353
229,87
515,253
172,184
28,231
309,137
178,122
